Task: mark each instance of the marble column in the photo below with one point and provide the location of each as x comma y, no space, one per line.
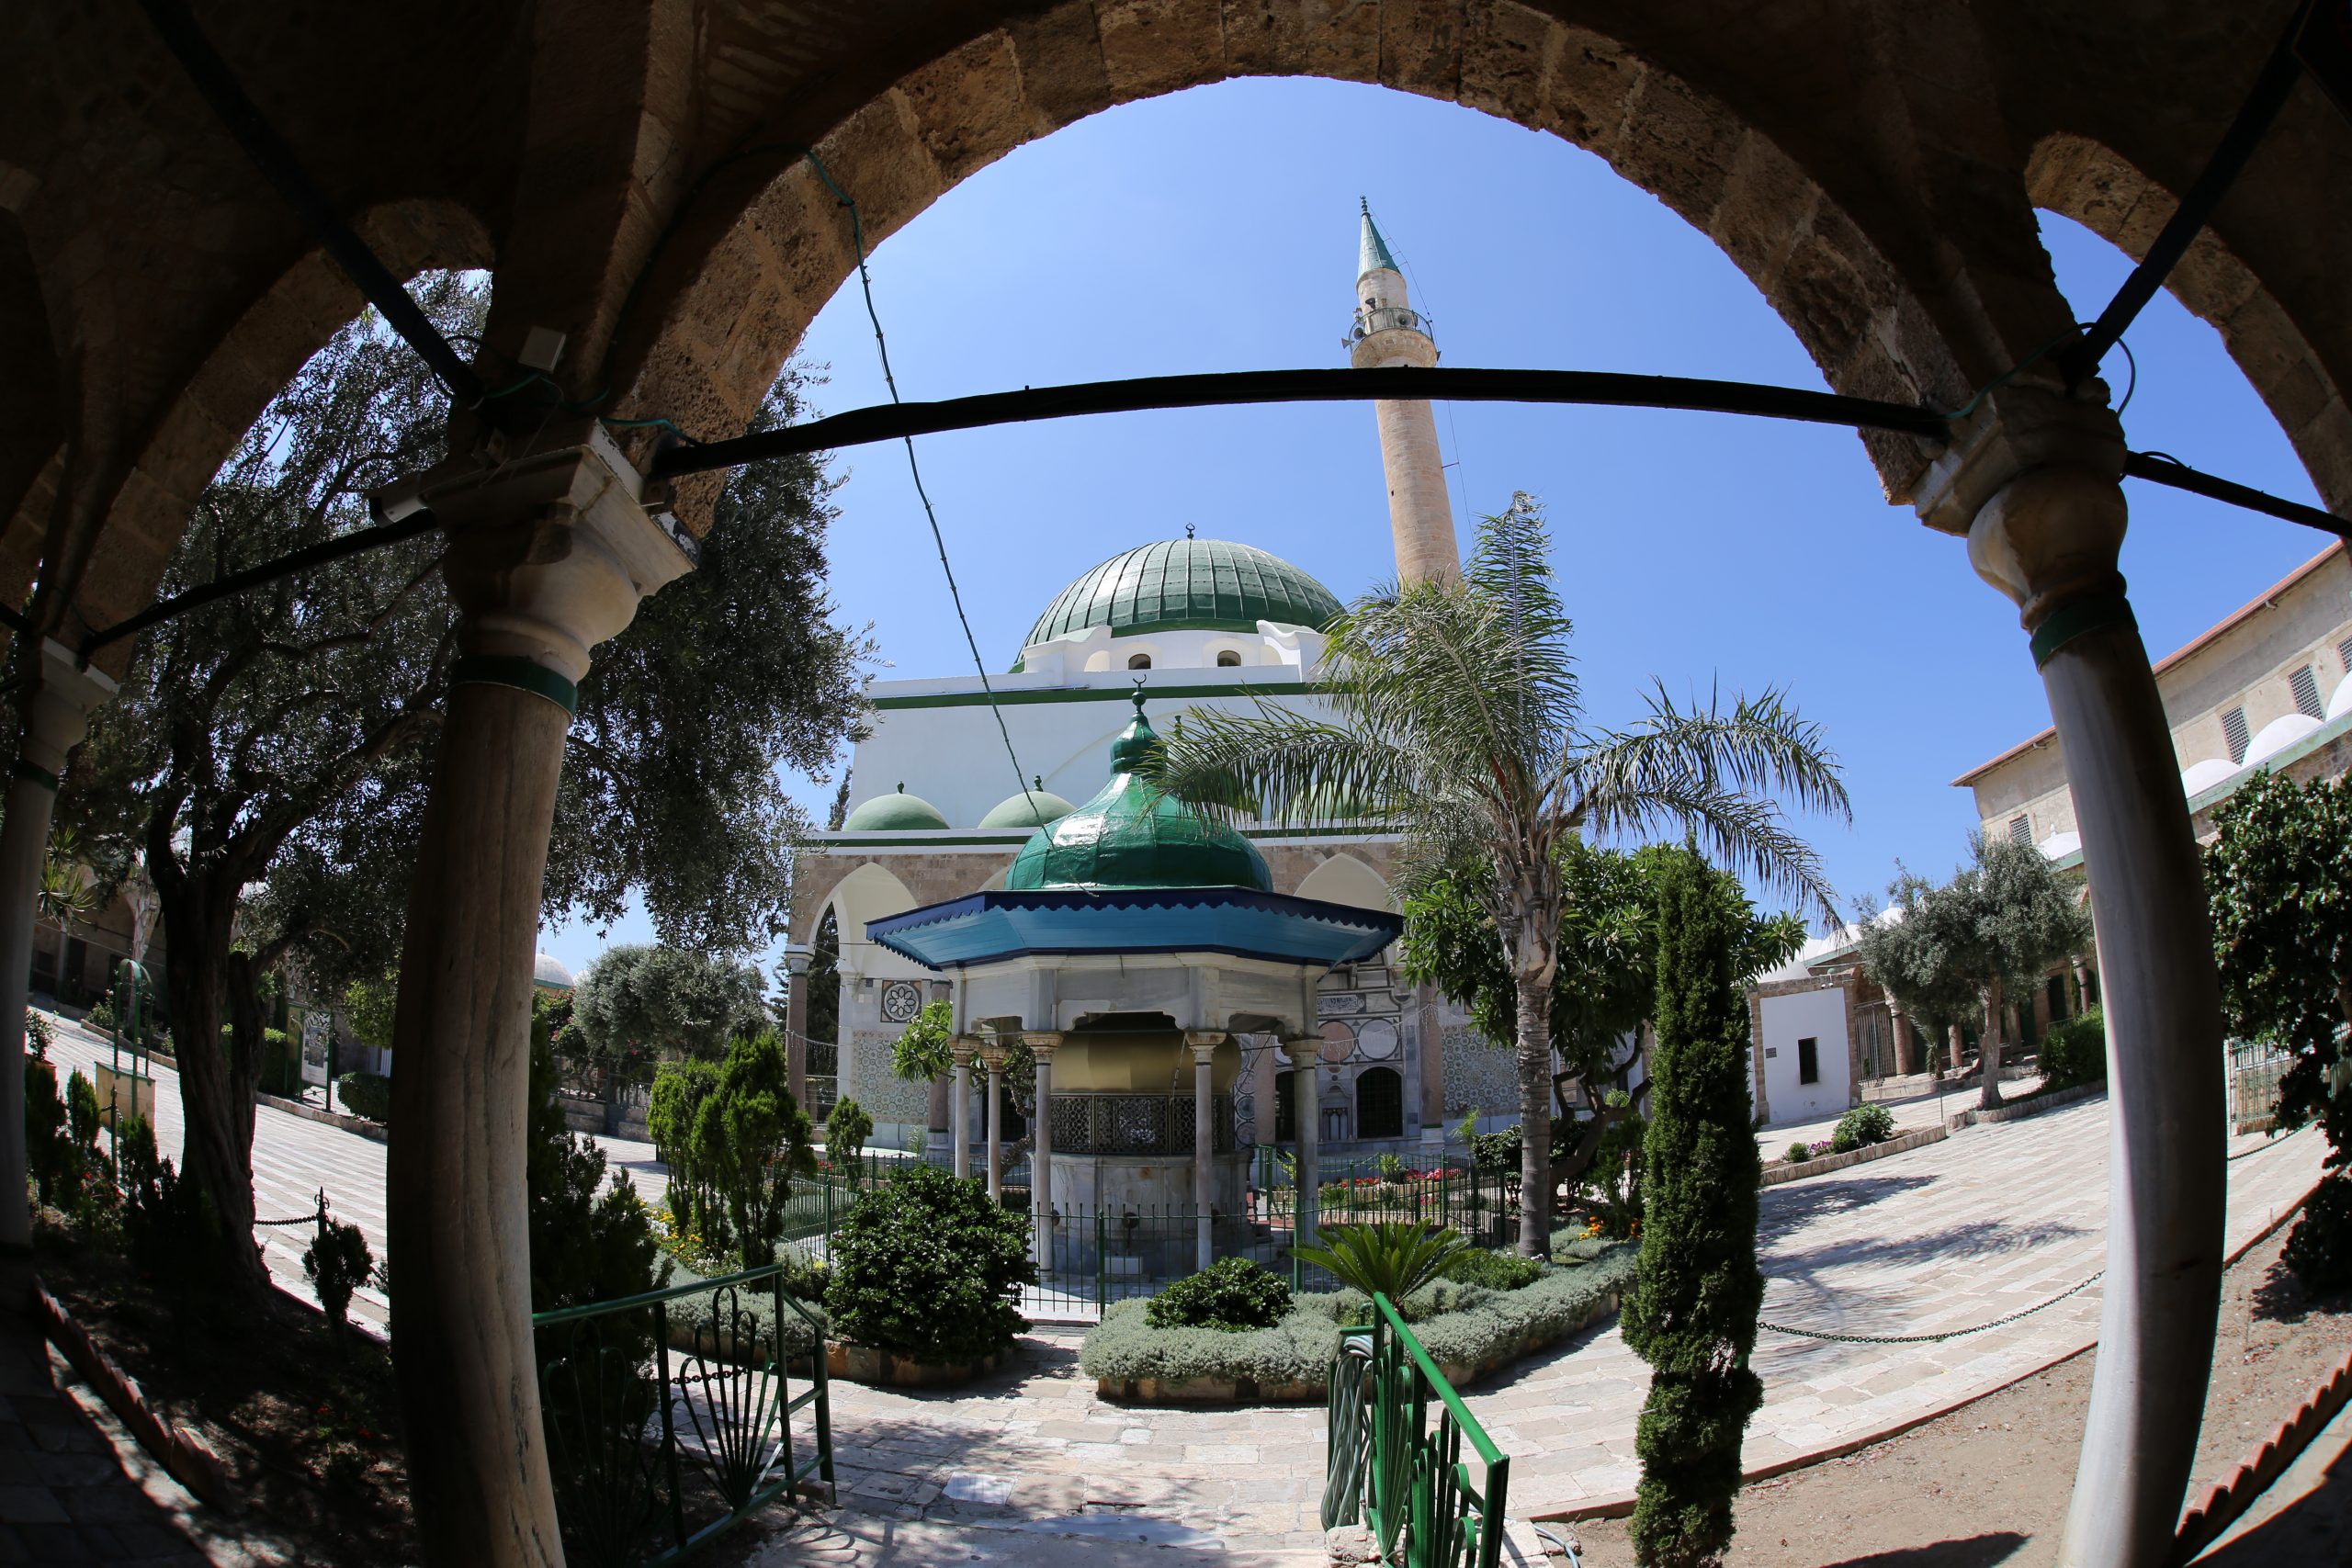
960,1114
1204,1043
1307,1067
56,710
2035,481
992,1056
1042,1044
550,552
796,1022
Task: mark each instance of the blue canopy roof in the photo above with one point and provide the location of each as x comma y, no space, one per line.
1243,922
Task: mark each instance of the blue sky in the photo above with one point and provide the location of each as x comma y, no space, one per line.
1215,229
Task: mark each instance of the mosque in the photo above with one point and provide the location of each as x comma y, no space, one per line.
1122,932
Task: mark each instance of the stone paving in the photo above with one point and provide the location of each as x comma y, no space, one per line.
294,1158
63,1496
1950,1237
1954,1235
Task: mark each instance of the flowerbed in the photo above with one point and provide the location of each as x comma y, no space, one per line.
1469,1330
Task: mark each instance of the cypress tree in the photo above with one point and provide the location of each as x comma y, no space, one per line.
1693,1315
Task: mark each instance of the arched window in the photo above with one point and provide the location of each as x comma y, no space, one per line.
1228,659
1139,662
1380,1103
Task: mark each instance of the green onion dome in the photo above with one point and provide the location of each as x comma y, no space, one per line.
897,812
1187,585
1035,807
1127,836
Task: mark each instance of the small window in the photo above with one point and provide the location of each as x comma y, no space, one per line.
2057,989
2020,830
2344,652
2090,988
1808,1061
2234,730
1286,1106
1139,662
2305,686
1228,659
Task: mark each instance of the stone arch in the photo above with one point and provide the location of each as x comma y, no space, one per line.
744,275
2083,179
869,892
250,364
1344,879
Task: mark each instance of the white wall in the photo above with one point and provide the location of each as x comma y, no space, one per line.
953,757
1820,1016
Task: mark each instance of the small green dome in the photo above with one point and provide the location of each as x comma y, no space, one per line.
1126,837
1035,807
897,812
1195,585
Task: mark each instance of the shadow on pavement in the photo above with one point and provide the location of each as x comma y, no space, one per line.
1976,1552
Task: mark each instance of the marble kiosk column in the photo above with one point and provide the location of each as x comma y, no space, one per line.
1042,1044
548,554
961,1050
992,1056
1203,1042
1306,1066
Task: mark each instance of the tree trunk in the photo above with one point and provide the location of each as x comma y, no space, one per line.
1534,1049
1988,1051
216,1086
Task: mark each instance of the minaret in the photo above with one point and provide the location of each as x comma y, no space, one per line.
1387,332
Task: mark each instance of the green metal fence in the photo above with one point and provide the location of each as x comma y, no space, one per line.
669,1416
1388,1468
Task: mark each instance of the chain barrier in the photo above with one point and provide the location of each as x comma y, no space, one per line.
1930,1338
2267,1145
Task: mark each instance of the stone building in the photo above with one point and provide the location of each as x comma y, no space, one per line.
2267,687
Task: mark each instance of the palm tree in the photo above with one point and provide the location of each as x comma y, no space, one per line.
1458,718
66,895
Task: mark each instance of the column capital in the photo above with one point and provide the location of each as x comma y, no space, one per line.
1042,1042
551,546
2017,428
2033,480
993,1052
56,714
1205,1042
1302,1049
962,1049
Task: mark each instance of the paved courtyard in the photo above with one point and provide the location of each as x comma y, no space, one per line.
1951,1237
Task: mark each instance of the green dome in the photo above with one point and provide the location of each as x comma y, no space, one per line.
1035,807
1192,584
897,812
1126,837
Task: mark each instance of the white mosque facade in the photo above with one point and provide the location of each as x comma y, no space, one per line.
938,815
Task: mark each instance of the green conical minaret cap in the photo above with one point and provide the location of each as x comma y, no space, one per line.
1130,837
1372,253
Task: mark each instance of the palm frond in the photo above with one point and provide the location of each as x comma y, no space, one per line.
1744,832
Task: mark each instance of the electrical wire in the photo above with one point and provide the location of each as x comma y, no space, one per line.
939,540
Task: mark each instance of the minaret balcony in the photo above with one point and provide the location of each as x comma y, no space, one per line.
1371,320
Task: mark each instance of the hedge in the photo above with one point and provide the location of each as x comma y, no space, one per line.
1461,1325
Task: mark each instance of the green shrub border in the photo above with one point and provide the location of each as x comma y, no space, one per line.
1133,1361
